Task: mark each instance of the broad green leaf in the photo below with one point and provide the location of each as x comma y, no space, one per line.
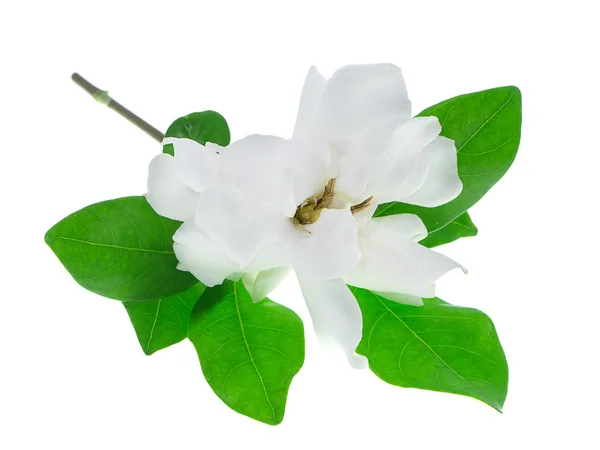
163,322
486,127
436,346
460,227
202,127
120,249
249,352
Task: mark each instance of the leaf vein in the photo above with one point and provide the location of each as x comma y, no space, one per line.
237,307
468,351
431,349
273,329
137,230
270,348
153,325
120,247
494,149
209,375
485,123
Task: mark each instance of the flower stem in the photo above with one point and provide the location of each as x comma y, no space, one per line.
105,99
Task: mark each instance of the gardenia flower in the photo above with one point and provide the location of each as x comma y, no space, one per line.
265,204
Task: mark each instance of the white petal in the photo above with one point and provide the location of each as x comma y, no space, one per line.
260,167
276,253
310,160
364,216
360,97
237,276
391,262
167,193
335,315
413,136
197,165
260,284
402,168
240,226
352,166
403,179
201,255
310,99
401,298
442,183
330,250
408,225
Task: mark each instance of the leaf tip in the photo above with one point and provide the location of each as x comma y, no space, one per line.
148,351
514,94
50,236
274,421
47,237
515,90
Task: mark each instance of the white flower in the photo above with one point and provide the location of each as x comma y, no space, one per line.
264,204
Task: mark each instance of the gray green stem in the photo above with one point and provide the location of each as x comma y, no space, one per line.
103,97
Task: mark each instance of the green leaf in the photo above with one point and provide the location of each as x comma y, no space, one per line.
462,226
436,346
202,127
163,322
120,249
249,352
486,127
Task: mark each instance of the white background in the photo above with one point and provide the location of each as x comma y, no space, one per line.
71,373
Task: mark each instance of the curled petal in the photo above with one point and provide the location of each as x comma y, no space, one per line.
408,225
335,315
402,167
405,299
260,284
168,195
413,136
199,254
392,262
442,183
329,247
402,179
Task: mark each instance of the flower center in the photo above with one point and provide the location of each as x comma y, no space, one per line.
309,211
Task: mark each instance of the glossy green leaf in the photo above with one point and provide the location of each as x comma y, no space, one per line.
460,227
202,127
163,322
120,249
437,346
249,352
486,127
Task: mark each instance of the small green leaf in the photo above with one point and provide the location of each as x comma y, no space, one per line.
460,227
486,127
249,352
169,149
202,127
120,249
163,322
436,346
